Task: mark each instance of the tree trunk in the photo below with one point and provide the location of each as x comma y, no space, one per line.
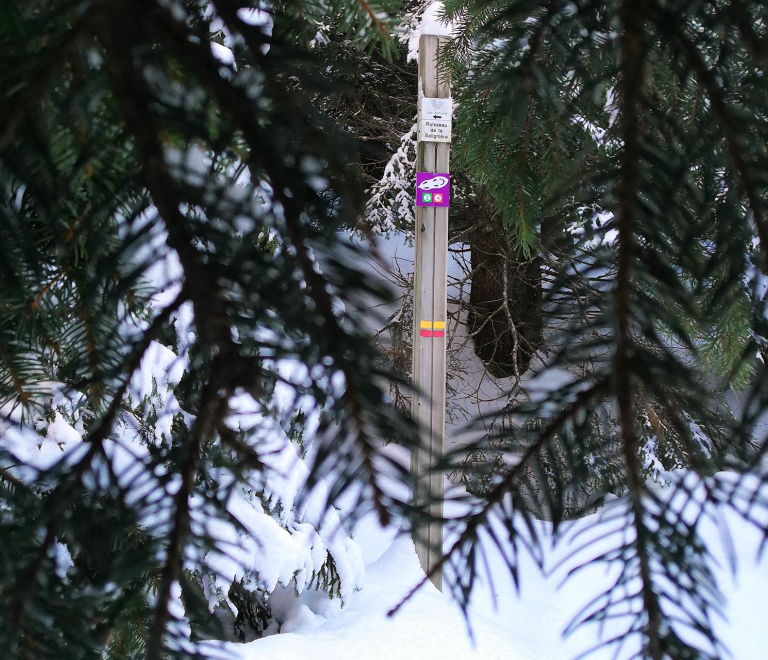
505,307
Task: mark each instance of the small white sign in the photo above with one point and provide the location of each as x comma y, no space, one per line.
435,108
434,130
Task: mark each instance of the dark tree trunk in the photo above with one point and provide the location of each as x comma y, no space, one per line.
505,348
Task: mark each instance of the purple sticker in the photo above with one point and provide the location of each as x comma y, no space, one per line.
433,189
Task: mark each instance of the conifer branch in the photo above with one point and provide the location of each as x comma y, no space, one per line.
246,454
755,45
214,410
537,39
95,439
330,328
253,37
508,483
8,477
209,305
606,315
244,115
40,81
287,101
380,25
201,283
632,67
667,22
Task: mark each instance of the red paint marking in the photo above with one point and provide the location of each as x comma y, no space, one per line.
438,333
426,333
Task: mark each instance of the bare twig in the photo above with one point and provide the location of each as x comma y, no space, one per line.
512,326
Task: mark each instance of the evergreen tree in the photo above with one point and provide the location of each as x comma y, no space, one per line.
639,127
162,166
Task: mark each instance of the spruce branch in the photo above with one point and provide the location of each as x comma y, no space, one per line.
254,38
632,67
201,281
213,411
262,161
329,327
668,24
95,439
11,479
289,101
746,23
246,454
209,304
507,485
537,40
381,26
46,73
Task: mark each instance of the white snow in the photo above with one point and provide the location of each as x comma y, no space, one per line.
37,451
61,433
504,624
430,23
288,552
429,627
223,54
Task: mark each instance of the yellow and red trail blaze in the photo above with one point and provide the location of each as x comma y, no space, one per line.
433,329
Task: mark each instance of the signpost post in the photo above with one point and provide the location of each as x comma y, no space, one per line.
430,295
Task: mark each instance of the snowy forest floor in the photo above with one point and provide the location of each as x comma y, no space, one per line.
503,623
525,626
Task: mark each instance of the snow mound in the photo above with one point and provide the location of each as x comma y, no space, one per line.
508,624
428,627
430,23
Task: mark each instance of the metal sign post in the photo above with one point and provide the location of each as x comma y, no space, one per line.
430,295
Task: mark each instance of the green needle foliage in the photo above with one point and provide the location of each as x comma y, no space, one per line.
125,142
641,128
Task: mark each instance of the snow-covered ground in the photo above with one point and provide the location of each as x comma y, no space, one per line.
504,624
428,627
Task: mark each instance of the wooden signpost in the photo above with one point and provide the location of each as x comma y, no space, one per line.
430,295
